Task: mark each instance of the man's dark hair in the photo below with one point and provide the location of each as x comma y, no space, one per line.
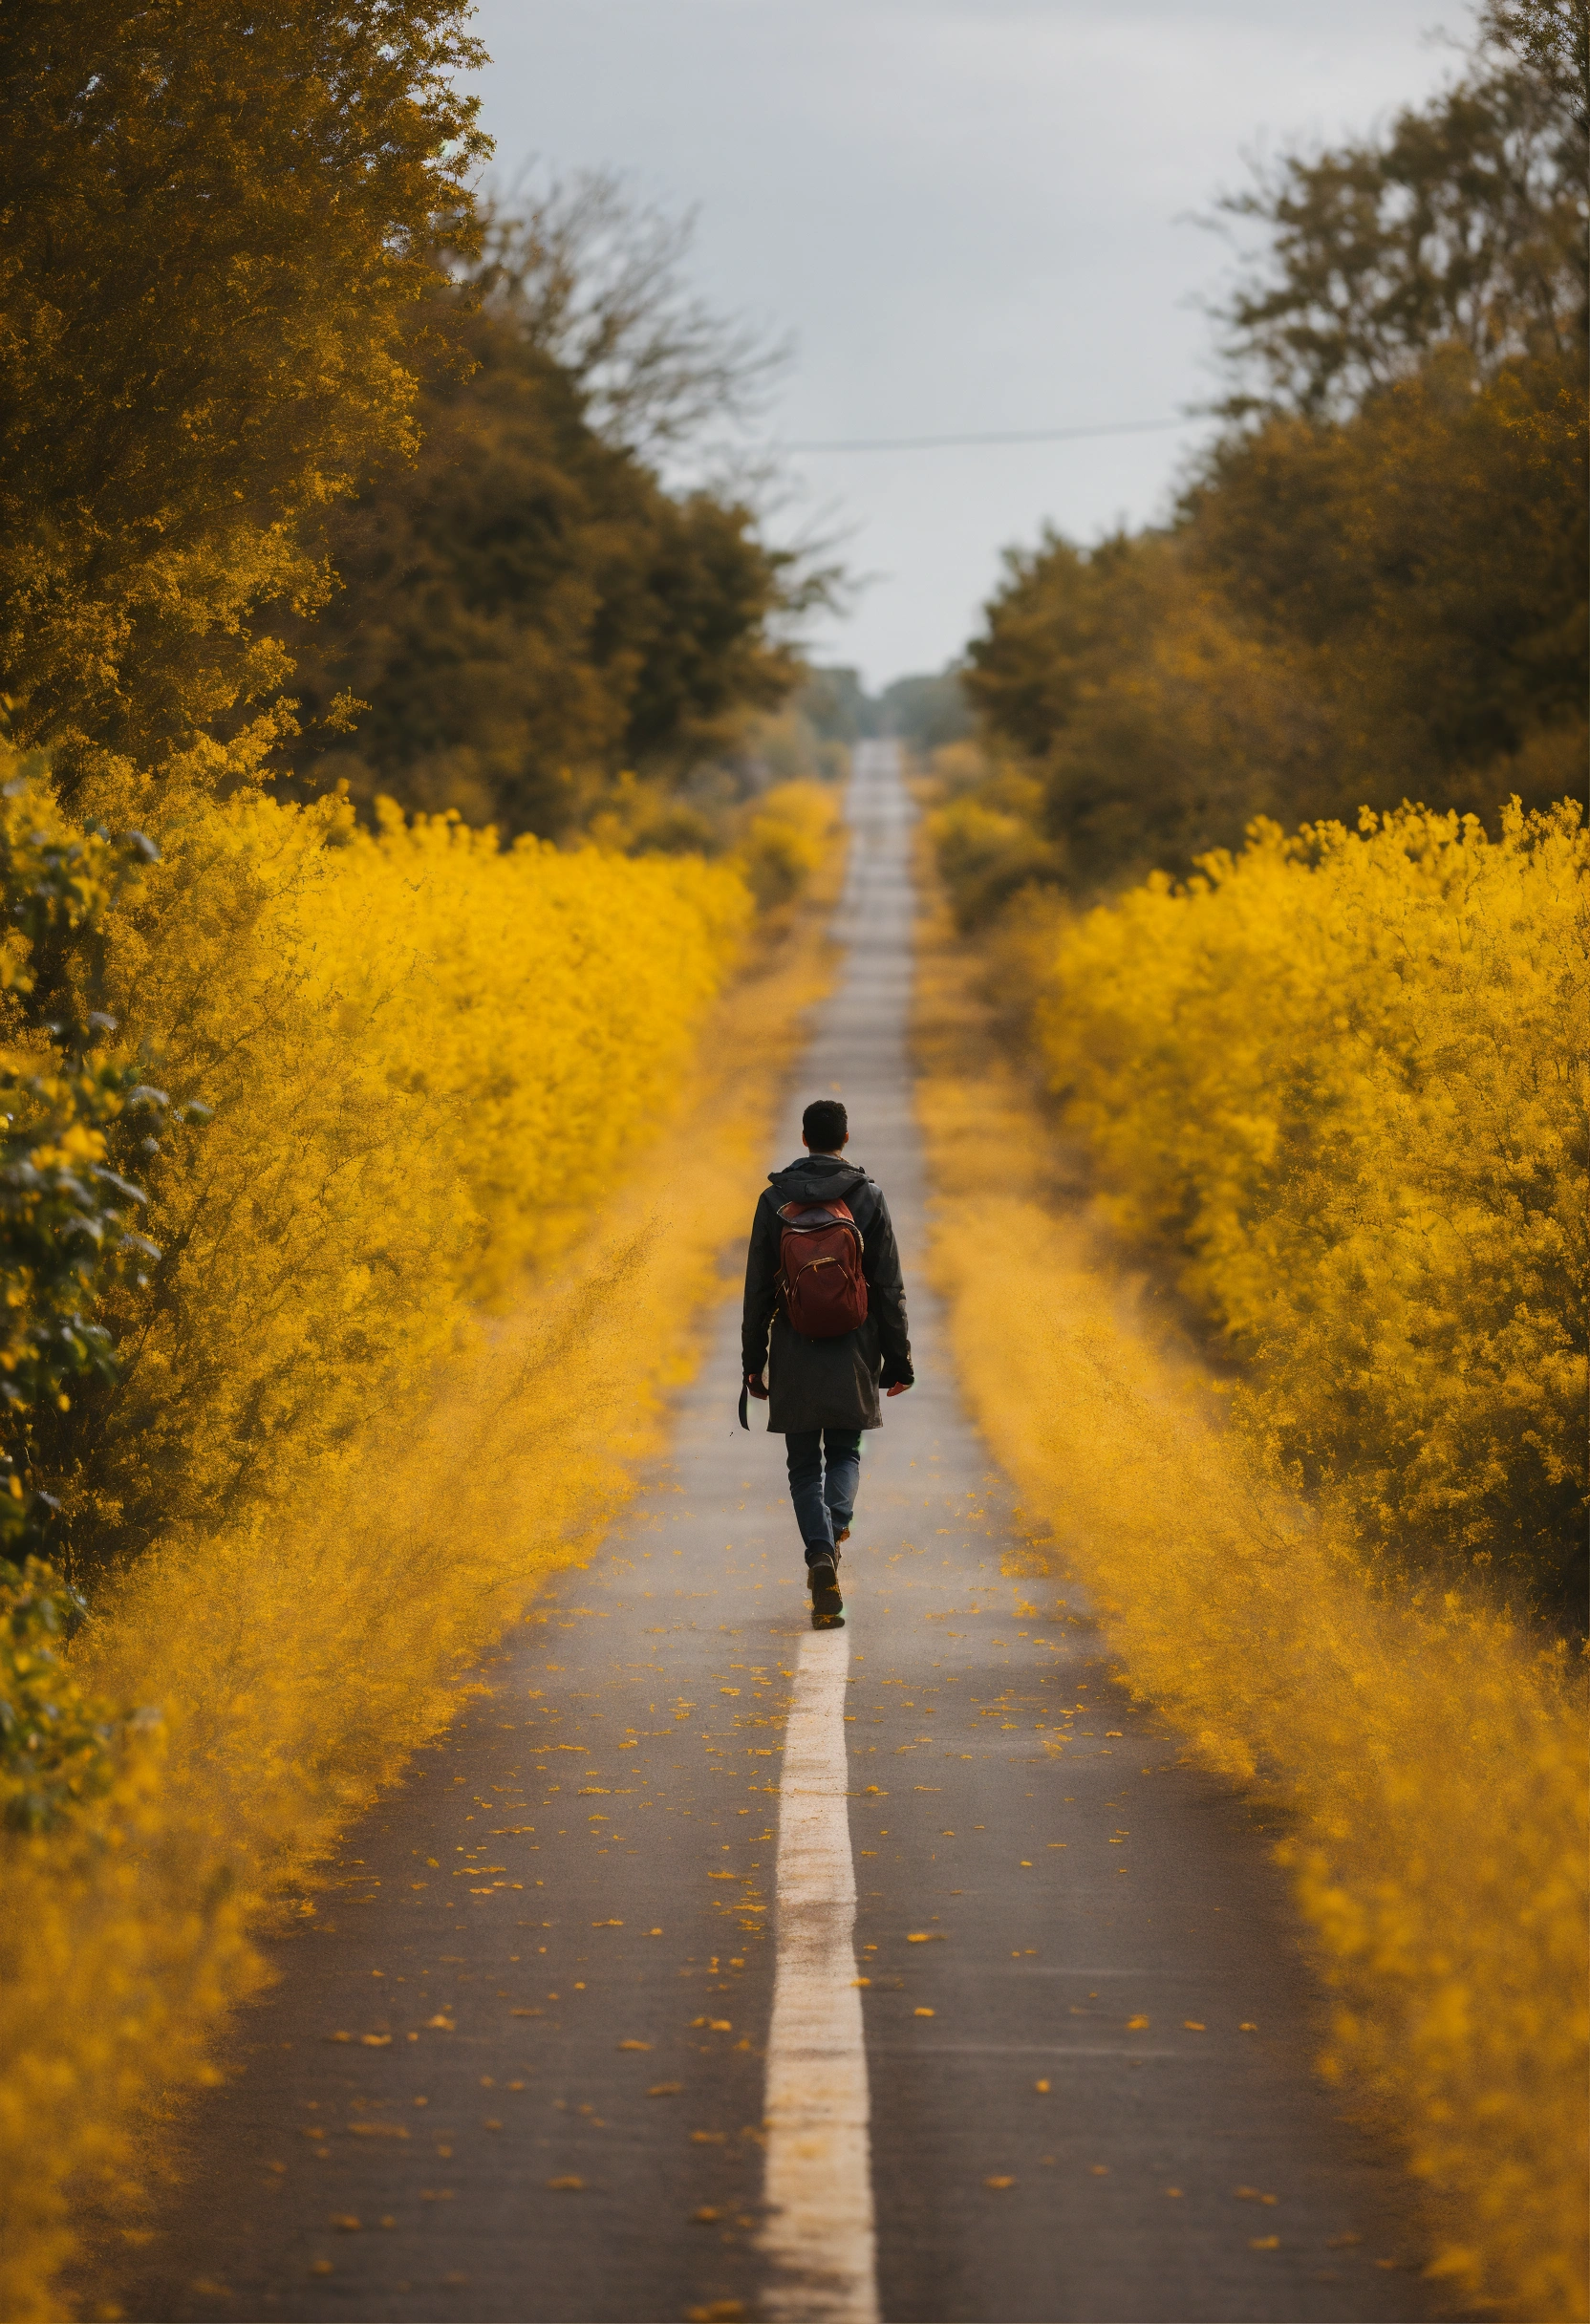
825,1124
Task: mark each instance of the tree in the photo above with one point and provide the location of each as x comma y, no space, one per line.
1154,723
838,705
1422,567
1375,589
531,611
928,710
216,220
1553,37
595,278
1464,226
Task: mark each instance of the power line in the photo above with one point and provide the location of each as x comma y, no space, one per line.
933,444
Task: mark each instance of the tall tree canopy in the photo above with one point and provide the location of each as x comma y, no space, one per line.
531,611
1376,587
1463,228
216,220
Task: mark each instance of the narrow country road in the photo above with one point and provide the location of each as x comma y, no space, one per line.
709,1968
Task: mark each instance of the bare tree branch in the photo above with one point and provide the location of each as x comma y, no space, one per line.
1464,225
593,275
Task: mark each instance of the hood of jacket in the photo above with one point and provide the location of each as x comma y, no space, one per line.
816,1178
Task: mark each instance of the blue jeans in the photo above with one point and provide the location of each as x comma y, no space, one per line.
824,1472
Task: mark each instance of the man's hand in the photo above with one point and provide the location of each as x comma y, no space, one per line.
898,1389
753,1381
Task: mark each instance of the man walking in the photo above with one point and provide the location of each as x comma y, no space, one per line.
824,1273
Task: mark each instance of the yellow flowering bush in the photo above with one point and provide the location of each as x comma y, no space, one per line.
1424,1756
426,1276
1345,1075
426,1056
788,830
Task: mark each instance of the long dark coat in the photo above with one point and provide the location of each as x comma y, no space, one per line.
826,1383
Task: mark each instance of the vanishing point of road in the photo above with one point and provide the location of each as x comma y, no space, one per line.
712,1968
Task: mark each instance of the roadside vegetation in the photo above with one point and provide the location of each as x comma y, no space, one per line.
352,1432
1372,588
1267,859
1334,1079
404,823
1421,1750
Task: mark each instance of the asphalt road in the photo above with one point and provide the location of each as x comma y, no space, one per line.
518,2068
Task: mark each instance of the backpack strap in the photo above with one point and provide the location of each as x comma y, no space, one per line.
815,1218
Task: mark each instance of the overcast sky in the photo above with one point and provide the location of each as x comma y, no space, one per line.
970,215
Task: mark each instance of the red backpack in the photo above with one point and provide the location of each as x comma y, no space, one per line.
820,1278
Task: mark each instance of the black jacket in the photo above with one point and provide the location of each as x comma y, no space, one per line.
826,1383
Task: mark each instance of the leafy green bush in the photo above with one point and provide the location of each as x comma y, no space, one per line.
57,1749
67,1215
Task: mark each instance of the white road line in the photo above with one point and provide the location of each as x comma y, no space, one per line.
819,2187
